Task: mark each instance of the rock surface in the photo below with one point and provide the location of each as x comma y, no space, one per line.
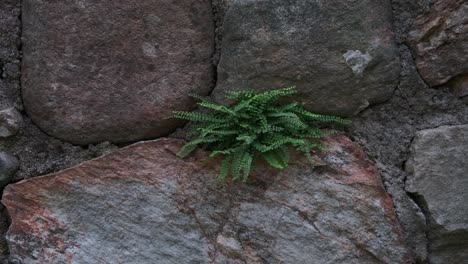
9,164
341,55
386,130
113,71
439,180
439,41
142,204
10,122
9,53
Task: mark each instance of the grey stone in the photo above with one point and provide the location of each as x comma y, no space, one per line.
342,57
9,53
9,164
439,179
142,204
10,122
113,71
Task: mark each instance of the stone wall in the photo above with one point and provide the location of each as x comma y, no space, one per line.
87,85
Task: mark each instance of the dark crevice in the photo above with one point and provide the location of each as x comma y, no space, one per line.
5,216
1,71
440,241
422,205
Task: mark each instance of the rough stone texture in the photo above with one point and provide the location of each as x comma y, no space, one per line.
386,130
340,55
40,154
219,11
10,122
9,53
438,170
8,166
439,41
142,204
114,70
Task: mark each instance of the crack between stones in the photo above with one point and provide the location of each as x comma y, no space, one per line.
422,205
5,214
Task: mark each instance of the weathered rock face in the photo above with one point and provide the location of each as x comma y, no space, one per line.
9,53
10,122
142,204
439,180
340,55
8,166
114,70
439,41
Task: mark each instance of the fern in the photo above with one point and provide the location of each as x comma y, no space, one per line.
255,126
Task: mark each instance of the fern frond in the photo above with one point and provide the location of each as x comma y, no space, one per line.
224,151
196,117
247,164
237,163
216,107
271,158
225,166
199,97
192,145
321,118
240,95
285,156
277,142
220,132
186,150
255,125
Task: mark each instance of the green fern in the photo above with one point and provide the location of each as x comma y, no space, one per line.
255,126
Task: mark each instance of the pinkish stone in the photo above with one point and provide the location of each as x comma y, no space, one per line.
142,204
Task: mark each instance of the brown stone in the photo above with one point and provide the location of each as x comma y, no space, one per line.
113,70
142,204
439,41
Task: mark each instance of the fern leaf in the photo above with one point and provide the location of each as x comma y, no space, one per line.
321,118
225,166
272,160
237,163
196,117
285,156
247,164
223,152
192,145
186,150
216,107
198,97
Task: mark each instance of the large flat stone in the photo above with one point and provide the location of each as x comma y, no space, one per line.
113,70
439,40
439,183
142,204
341,55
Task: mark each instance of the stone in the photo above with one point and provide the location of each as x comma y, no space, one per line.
10,31
113,71
439,41
9,164
341,57
142,204
438,180
10,122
